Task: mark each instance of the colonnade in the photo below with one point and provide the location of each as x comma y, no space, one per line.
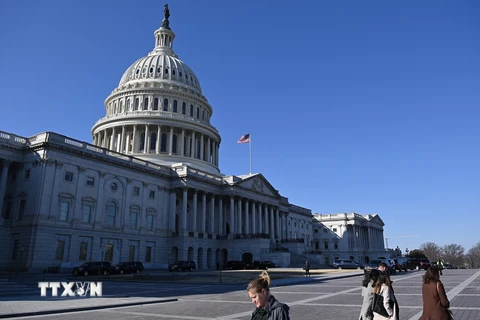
202,212
144,138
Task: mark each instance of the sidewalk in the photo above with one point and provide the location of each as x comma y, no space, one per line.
17,306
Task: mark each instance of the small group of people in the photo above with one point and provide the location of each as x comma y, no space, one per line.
379,302
377,287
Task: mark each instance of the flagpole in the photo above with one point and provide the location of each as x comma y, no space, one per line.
250,153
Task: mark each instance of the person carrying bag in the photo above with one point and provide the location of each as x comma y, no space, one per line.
384,304
435,302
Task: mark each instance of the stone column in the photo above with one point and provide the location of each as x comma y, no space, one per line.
254,218
247,218
220,216
204,212
265,219
122,140
194,211
239,216
211,219
202,149
182,143
146,140
232,215
184,209
272,224
173,207
134,139
170,146
112,140
260,220
3,182
159,138
208,151
277,218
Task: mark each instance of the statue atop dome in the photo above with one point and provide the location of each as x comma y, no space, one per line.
166,14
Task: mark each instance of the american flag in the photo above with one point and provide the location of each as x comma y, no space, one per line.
244,139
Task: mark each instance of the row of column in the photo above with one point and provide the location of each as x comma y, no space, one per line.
3,181
127,139
243,216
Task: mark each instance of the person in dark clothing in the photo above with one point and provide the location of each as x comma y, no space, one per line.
267,307
307,268
435,302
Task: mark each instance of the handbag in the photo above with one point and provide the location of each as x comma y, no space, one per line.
377,305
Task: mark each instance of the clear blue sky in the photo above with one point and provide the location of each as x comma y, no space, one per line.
365,106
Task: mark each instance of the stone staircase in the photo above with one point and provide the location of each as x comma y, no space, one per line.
14,288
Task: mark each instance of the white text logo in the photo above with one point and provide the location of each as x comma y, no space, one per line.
71,289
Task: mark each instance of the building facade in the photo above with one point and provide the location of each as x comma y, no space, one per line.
147,188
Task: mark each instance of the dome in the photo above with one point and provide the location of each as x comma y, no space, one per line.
160,66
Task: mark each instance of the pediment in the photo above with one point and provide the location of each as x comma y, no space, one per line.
259,184
375,218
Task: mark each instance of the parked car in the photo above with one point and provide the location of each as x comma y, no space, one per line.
235,265
129,267
347,264
449,266
260,264
418,263
401,263
374,263
183,266
94,268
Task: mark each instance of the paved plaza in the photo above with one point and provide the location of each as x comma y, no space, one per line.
323,296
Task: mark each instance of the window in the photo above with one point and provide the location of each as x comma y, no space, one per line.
175,107
21,209
26,176
59,250
111,213
325,244
152,194
145,104
7,210
136,103
133,219
149,222
335,245
174,144
148,254
316,230
68,176
86,212
155,104
64,208
191,110
184,108
198,113
82,253
128,104
108,252
165,105
163,143
334,229
114,186
131,253
136,191
203,114
90,181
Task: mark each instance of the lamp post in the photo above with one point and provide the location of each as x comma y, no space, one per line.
406,252
20,261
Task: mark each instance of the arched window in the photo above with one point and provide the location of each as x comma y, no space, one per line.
191,110
111,213
198,113
165,105
121,106
185,151
137,102
184,108
203,114
155,104
174,146
115,107
163,147
175,106
153,140
145,104
128,104
197,155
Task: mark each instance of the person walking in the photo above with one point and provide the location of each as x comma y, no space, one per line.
383,288
440,265
267,307
307,268
368,283
435,301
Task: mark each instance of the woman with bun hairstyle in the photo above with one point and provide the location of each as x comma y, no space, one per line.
267,307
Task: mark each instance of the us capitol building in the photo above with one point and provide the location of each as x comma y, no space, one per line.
149,188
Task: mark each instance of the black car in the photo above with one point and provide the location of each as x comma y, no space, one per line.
418,263
257,264
401,263
347,264
235,265
129,267
182,266
94,268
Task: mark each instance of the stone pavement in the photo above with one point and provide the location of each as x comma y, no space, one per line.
24,299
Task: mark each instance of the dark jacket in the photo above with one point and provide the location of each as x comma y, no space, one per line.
275,310
435,302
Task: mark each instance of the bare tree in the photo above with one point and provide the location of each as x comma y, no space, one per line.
431,250
473,257
453,254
